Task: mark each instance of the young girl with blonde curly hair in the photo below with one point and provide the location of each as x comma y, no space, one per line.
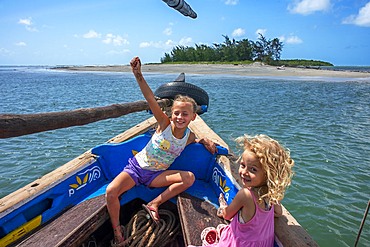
265,171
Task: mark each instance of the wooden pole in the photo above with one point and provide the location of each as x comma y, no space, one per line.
362,223
12,125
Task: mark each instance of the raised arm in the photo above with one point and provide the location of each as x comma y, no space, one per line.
159,115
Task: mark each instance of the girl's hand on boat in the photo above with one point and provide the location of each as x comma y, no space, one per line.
223,205
222,201
220,212
208,144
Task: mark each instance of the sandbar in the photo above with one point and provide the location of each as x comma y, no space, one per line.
254,70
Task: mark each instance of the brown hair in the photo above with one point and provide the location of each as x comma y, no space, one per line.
185,98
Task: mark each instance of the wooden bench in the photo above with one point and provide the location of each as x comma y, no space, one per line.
72,227
195,215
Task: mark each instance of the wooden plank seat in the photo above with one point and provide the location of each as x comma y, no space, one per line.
195,215
72,227
76,224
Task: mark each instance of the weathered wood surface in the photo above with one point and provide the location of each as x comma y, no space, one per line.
12,125
72,227
291,233
195,215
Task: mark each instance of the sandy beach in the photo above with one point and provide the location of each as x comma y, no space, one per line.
255,69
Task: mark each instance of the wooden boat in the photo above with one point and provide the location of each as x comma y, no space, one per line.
67,206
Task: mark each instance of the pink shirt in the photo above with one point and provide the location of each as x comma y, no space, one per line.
259,231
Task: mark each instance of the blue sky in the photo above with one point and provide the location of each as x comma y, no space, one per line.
111,32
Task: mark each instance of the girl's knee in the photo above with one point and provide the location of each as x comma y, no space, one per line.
188,179
110,193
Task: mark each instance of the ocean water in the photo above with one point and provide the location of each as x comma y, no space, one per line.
348,68
324,122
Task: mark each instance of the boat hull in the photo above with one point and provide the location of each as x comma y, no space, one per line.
90,180
71,198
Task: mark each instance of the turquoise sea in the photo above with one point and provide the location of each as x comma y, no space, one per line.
325,122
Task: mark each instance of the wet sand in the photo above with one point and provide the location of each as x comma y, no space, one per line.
255,69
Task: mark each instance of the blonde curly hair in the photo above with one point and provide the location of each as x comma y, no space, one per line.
276,162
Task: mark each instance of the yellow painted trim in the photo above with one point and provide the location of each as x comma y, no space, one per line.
21,231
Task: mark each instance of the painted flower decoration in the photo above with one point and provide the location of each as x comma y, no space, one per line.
79,181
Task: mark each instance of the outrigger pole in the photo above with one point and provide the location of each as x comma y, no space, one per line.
12,125
182,7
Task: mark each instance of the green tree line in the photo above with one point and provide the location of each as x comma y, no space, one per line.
263,50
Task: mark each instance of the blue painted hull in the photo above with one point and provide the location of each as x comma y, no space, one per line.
90,181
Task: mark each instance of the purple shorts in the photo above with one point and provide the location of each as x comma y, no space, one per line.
138,174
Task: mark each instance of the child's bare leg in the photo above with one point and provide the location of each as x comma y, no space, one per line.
177,182
119,185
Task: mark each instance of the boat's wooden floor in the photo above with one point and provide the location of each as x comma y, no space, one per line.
195,215
72,227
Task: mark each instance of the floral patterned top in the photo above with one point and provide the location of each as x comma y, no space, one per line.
161,150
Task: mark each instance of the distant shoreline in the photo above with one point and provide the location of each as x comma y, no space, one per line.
255,69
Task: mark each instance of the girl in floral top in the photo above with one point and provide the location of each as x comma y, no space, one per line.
149,166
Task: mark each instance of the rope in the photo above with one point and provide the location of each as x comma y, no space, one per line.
142,231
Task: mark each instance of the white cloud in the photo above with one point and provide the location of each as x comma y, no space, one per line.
361,19
119,52
261,31
145,44
231,2
4,51
158,44
292,39
169,44
28,24
238,32
91,35
167,31
306,7
109,39
116,40
186,41
21,43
